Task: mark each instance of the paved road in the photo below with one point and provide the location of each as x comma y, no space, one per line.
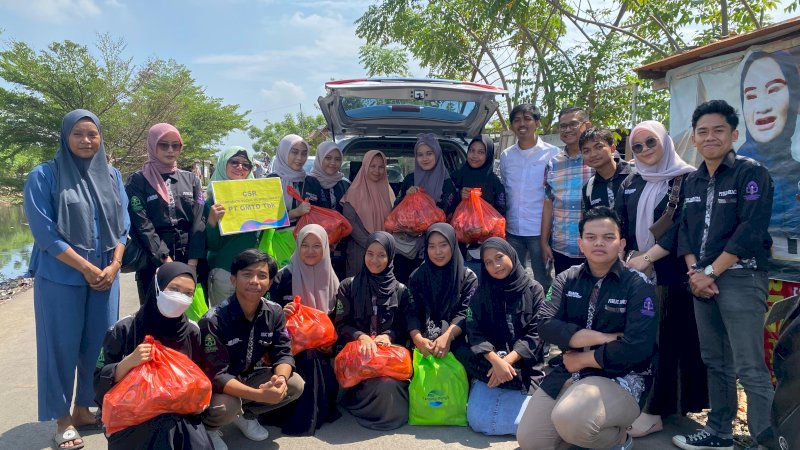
19,429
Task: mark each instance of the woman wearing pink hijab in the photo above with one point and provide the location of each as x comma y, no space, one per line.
166,207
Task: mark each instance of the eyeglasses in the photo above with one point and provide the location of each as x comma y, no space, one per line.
243,165
570,125
166,146
639,147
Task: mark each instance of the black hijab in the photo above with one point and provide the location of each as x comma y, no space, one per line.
382,285
467,176
150,321
90,182
440,287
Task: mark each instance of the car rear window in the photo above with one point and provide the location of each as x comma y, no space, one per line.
377,108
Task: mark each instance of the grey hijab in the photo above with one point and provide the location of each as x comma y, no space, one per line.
85,186
432,181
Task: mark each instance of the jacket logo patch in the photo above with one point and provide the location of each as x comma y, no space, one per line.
233,341
210,344
596,201
729,192
618,301
752,191
648,308
152,197
629,191
266,334
695,199
573,294
136,204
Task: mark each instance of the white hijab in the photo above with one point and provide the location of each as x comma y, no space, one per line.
657,177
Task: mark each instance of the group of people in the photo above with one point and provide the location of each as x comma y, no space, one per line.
656,306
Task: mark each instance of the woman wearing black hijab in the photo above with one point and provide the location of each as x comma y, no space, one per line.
371,309
441,290
503,329
161,316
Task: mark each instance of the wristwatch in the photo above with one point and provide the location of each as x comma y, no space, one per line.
709,272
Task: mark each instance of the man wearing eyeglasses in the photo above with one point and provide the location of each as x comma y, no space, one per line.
723,238
565,175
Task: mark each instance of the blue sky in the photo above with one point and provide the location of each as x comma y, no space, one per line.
268,56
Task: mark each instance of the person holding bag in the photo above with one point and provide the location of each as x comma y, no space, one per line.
649,205
366,204
124,348
310,275
371,309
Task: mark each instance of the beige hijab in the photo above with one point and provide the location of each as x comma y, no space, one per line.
372,201
316,285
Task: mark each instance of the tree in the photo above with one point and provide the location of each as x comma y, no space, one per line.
524,46
379,61
312,128
127,99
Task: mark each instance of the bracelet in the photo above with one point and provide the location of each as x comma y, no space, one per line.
118,261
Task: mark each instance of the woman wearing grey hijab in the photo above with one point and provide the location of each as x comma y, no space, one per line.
432,176
77,210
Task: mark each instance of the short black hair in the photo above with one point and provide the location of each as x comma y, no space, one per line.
574,109
524,108
596,134
720,107
254,256
599,213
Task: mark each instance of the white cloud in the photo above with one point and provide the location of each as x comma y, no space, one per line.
54,11
282,94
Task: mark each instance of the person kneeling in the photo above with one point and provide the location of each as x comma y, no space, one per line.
603,316
236,335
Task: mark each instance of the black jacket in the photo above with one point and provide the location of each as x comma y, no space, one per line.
227,334
327,198
391,316
177,232
740,198
626,303
604,191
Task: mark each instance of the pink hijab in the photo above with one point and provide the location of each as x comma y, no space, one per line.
371,201
153,168
657,177
316,285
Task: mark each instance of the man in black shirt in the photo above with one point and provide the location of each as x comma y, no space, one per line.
599,153
603,316
237,334
724,240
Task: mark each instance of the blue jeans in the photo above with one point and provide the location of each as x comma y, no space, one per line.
731,331
528,246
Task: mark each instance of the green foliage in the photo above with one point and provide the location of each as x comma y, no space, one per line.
310,127
523,46
379,61
127,99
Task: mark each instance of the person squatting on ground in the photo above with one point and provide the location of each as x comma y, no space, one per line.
603,317
77,210
237,335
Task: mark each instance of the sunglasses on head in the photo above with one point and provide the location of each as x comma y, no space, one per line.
639,147
165,146
242,164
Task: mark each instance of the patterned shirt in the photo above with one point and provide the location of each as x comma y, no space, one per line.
563,183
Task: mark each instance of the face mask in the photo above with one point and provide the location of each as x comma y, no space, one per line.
172,304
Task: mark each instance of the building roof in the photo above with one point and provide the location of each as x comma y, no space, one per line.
782,30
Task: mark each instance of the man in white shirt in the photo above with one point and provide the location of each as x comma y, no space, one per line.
522,170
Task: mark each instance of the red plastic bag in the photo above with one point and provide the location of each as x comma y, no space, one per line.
351,367
475,220
309,328
335,224
414,215
169,383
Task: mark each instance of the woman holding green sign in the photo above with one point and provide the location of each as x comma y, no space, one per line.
233,163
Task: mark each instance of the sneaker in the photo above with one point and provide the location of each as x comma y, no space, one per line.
702,440
216,440
628,445
251,429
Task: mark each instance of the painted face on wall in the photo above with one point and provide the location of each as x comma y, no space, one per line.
765,99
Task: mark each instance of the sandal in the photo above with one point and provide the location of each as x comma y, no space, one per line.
69,435
645,424
94,426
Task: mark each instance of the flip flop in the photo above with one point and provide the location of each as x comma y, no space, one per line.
68,435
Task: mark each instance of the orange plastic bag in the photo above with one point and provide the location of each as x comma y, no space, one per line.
414,215
335,224
309,328
169,383
351,367
475,220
